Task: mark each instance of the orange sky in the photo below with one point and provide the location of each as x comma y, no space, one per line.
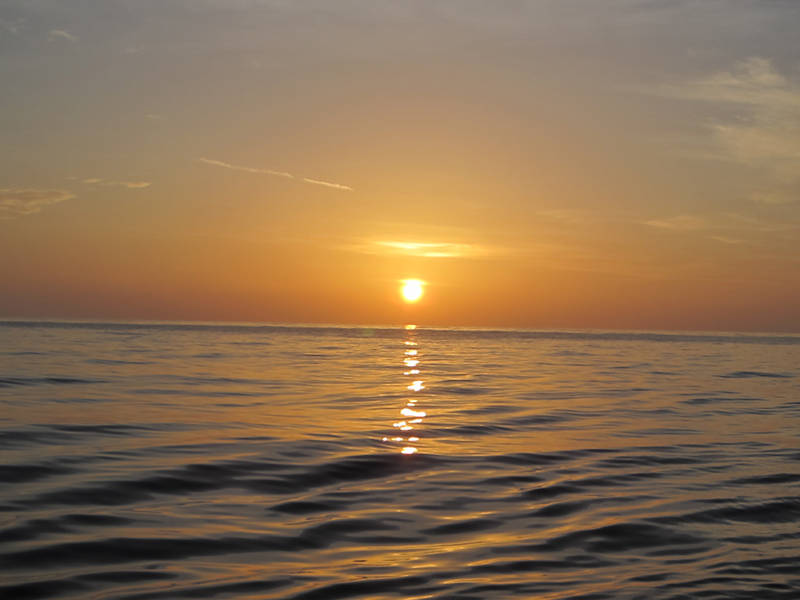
542,164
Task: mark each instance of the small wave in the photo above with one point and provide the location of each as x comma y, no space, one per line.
465,526
506,480
43,589
471,429
541,565
491,409
767,479
188,479
109,551
551,491
21,381
354,589
30,472
760,540
225,590
544,458
622,537
646,460
300,507
562,509
102,429
546,419
13,438
462,390
618,480
720,400
657,431
749,374
210,477
65,524
113,362
339,527
778,511
358,468
789,565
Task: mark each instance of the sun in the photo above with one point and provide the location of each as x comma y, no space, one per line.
412,289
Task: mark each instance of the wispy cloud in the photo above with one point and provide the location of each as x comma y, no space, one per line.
132,185
336,186
775,197
421,249
328,184
727,240
751,223
19,202
679,223
61,34
719,226
751,82
12,27
764,131
219,163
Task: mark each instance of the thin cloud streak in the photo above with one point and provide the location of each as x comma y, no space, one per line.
61,34
225,165
679,223
12,27
775,198
131,185
20,202
336,186
722,222
421,249
219,163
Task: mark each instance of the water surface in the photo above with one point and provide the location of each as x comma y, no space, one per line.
155,461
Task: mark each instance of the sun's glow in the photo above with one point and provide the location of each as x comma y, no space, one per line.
412,290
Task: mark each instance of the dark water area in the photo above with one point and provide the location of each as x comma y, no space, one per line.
159,461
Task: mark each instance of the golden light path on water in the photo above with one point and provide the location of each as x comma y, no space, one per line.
412,416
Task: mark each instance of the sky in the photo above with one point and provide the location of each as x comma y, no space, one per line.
626,164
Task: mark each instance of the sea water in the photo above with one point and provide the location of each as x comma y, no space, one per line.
158,461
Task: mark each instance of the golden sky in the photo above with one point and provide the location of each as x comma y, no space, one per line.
551,163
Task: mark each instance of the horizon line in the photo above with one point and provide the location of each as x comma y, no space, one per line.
399,326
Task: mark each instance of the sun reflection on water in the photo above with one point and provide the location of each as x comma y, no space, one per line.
412,415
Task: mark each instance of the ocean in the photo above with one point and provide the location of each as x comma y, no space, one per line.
160,460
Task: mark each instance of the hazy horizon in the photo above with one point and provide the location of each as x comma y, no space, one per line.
701,333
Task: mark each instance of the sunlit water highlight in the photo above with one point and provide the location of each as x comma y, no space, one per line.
167,461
